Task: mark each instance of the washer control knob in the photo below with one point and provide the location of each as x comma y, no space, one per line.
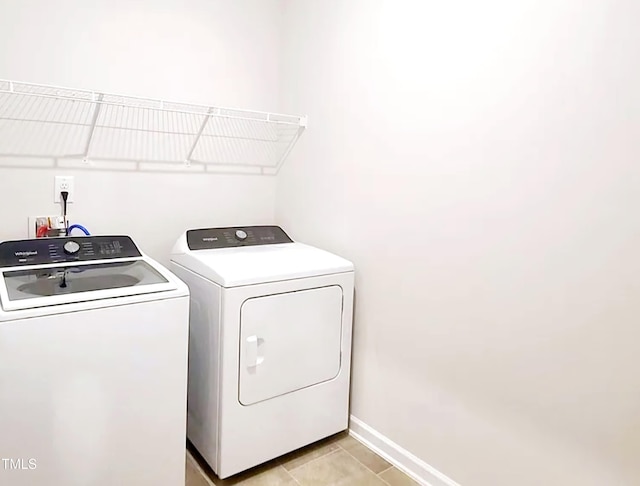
71,247
241,235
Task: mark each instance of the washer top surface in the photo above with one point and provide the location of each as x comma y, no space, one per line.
233,257
47,275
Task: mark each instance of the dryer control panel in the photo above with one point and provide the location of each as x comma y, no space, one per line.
210,238
66,249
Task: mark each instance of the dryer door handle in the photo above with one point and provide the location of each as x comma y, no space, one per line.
254,351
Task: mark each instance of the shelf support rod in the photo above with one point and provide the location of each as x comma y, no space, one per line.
290,147
94,120
187,160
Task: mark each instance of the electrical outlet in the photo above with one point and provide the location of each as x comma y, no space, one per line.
63,183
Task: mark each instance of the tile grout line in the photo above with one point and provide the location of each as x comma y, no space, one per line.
382,472
291,475
367,467
389,469
313,460
328,453
391,466
389,484
288,473
211,483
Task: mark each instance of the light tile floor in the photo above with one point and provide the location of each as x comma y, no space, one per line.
339,460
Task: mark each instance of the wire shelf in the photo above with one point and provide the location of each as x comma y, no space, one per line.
95,128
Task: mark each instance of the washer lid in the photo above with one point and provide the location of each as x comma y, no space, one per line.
49,272
47,285
233,267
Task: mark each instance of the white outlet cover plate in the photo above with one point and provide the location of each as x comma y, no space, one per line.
63,183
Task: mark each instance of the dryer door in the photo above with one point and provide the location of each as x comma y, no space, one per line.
289,341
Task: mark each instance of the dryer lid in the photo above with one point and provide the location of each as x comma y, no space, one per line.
248,265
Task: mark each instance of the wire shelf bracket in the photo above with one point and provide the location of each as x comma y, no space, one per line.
187,161
106,130
92,129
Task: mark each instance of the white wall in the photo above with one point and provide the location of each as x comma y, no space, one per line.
478,161
200,51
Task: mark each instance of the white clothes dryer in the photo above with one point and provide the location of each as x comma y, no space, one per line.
269,346
93,365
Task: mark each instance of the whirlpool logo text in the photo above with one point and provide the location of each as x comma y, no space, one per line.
25,253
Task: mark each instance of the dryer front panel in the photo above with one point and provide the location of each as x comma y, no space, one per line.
289,341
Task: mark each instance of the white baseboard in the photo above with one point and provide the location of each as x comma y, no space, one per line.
415,468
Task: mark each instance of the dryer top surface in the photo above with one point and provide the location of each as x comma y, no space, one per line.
233,267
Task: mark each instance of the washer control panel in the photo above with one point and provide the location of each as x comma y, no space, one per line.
66,249
210,238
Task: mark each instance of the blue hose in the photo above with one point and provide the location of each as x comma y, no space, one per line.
80,227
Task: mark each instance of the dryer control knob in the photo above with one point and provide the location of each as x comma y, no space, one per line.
241,235
71,247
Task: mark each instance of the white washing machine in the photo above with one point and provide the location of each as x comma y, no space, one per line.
270,343
93,365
